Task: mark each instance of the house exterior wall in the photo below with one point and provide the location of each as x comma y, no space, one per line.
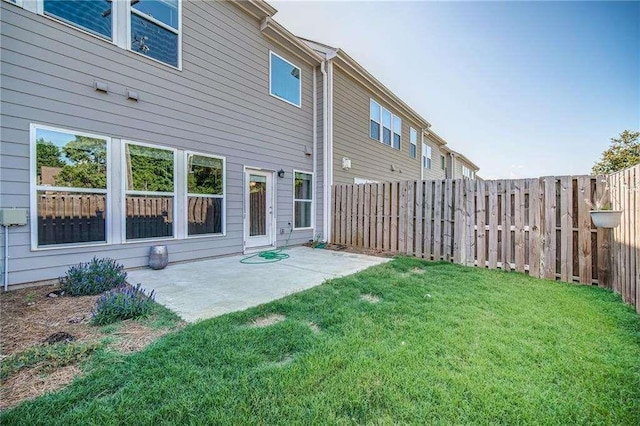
370,159
436,171
218,104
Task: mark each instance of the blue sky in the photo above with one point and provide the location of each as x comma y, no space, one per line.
524,89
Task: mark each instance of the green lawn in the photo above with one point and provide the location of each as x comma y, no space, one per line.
445,344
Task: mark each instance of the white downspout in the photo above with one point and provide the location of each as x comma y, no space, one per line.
329,140
326,199
421,154
315,152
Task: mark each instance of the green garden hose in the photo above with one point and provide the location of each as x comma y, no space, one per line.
268,256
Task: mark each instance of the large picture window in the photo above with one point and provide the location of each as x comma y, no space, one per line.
71,183
205,194
149,174
303,200
284,80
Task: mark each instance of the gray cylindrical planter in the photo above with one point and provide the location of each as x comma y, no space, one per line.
158,257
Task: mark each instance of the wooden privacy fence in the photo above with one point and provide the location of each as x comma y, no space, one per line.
539,226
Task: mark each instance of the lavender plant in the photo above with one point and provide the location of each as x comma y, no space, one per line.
122,303
93,277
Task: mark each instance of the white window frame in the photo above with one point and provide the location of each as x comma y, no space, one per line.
379,120
188,194
121,11
467,172
312,201
380,123
34,187
393,131
426,155
413,141
125,192
271,54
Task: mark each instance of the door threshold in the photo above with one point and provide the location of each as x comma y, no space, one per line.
252,250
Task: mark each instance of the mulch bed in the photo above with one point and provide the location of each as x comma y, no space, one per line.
28,317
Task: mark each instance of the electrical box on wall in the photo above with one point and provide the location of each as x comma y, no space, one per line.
13,217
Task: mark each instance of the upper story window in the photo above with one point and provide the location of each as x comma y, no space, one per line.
94,16
155,30
284,80
443,164
149,27
397,131
467,172
384,126
374,118
413,138
426,156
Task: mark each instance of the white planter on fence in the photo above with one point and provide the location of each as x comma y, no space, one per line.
606,218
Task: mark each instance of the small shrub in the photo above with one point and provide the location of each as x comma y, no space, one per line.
122,303
93,277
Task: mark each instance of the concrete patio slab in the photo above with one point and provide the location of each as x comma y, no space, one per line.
208,288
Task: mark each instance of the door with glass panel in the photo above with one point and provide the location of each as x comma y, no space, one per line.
258,221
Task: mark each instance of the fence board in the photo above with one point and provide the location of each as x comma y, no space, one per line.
437,220
411,194
493,223
387,217
448,213
428,220
459,224
393,227
566,225
402,217
584,230
419,225
519,221
481,221
379,215
549,229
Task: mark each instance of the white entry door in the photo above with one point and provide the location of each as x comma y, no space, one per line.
258,214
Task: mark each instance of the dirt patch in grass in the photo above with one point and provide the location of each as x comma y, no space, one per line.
358,250
314,327
268,320
29,383
370,298
28,317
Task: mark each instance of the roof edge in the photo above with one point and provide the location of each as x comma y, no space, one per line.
358,72
279,34
259,9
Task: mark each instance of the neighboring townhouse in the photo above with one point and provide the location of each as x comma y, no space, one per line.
434,156
191,124
459,166
370,134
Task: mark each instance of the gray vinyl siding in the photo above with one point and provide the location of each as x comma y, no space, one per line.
435,172
218,104
370,159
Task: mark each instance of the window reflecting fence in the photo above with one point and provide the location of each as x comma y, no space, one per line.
68,218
